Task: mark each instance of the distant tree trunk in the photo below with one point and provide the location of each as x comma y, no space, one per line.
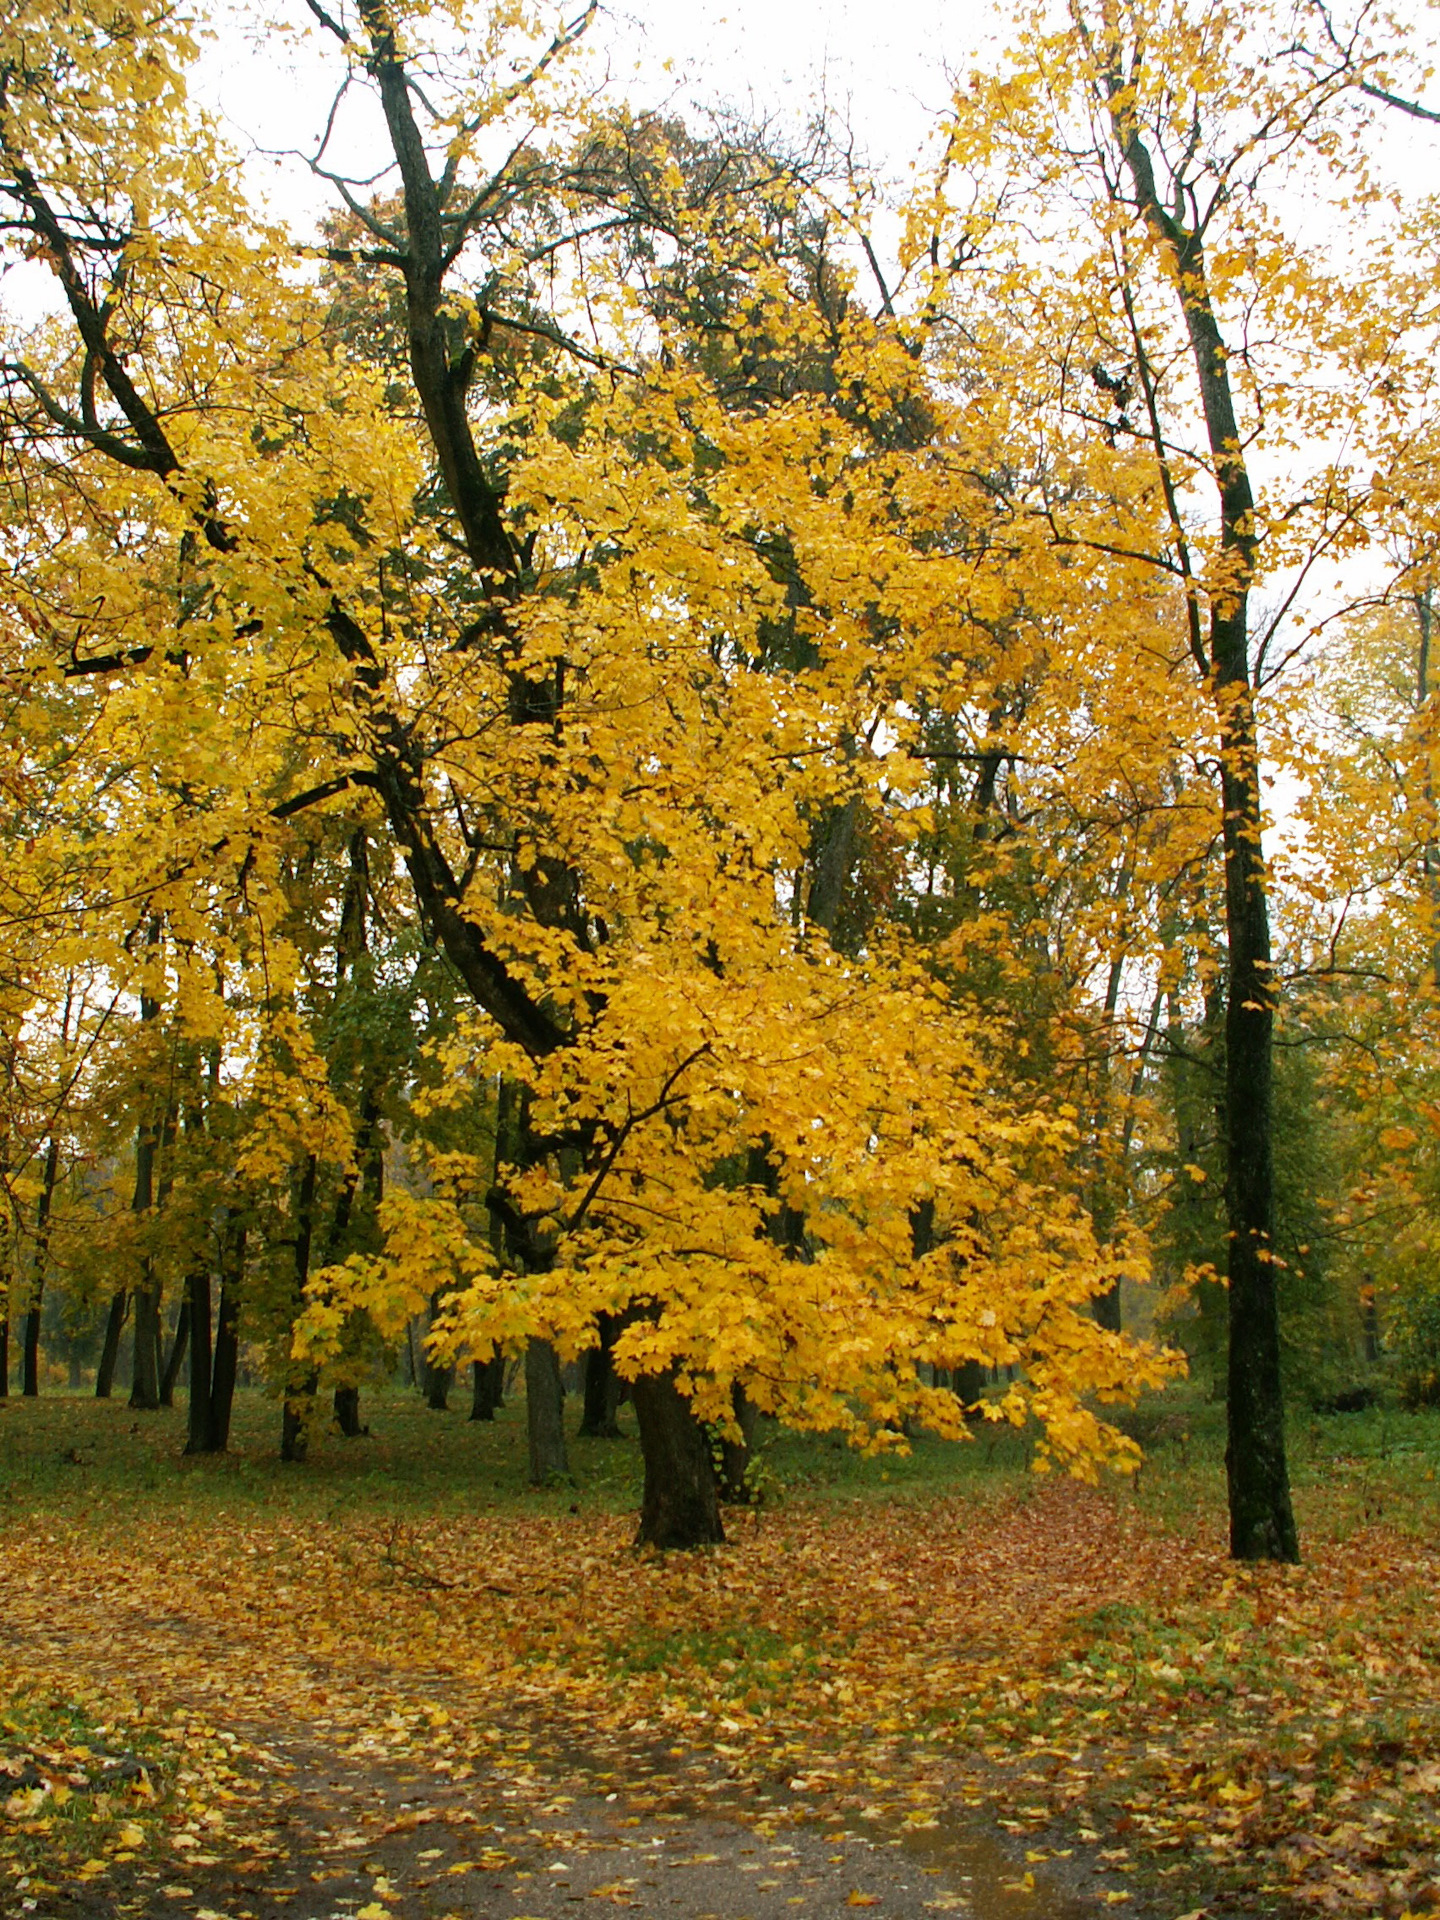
598,1421
5,1345
177,1353
735,1455
300,1389
110,1348
347,1413
197,1289
681,1502
31,1387
145,1368
227,1341
545,1415
1371,1316
438,1379
488,1387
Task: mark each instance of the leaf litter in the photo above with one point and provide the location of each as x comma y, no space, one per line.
522,1703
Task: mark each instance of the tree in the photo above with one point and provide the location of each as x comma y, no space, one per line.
1160,149
509,623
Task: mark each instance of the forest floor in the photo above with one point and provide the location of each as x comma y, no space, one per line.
396,1682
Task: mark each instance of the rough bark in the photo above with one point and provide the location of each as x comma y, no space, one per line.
681,1502
545,1415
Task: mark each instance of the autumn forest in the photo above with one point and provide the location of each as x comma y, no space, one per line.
719,976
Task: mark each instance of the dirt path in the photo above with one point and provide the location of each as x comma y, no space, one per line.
310,1834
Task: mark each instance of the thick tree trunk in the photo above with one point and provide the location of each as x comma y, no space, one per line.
545,1415
681,1503
488,1387
598,1421
197,1434
110,1347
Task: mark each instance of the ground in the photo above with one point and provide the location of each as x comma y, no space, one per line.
394,1681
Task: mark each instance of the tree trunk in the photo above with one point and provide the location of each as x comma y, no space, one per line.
438,1379
177,1353
1262,1521
735,1455
5,1347
31,1387
681,1504
598,1421
300,1389
347,1413
545,1415
197,1289
110,1349
488,1387
227,1343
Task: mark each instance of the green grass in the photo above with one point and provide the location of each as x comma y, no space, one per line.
69,1454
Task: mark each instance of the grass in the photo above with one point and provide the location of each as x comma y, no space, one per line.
69,1453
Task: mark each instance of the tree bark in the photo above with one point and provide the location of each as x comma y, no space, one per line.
110,1347
681,1502
197,1288
598,1421
735,1455
347,1413
488,1387
1262,1520
31,1365
300,1389
177,1353
227,1342
545,1415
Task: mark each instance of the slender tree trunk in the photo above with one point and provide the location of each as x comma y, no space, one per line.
197,1288
31,1375
300,1389
1262,1520
177,1353
488,1387
681,1502
227,1342
545,1415
5,1345
735,1455
110,1347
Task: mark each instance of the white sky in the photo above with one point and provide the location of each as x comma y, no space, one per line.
880,64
